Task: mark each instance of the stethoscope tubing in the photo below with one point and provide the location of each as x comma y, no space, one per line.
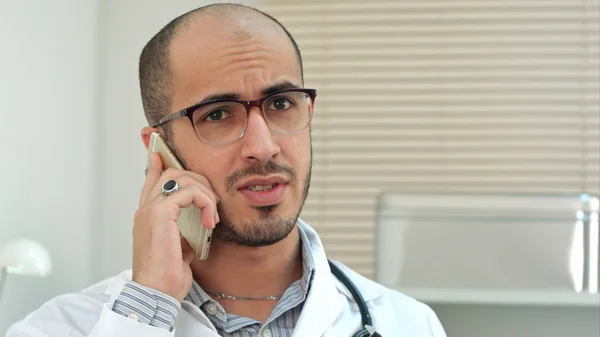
360,301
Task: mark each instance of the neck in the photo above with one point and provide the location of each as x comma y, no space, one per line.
243,271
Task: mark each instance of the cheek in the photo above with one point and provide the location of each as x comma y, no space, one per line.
214,166
219,167
298,153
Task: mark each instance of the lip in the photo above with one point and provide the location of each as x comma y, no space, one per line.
263,181
264,198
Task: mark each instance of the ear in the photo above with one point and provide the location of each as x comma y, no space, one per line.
146,132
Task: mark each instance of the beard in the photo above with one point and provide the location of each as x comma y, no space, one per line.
269,228
266,231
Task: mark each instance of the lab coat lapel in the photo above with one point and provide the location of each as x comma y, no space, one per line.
324,303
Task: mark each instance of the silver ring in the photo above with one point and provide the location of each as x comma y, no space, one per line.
169,187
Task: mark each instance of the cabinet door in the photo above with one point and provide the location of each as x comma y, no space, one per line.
487,248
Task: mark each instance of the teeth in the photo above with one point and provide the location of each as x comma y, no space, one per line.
261,187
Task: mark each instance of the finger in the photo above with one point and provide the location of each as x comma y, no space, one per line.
202,179
187,253
154,171
217,218
186,180
194,195
209,218
169,174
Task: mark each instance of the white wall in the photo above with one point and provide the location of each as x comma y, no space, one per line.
48,132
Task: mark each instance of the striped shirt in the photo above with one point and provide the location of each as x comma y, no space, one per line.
155,308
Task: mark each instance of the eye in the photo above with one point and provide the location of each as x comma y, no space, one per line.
216,115
280,103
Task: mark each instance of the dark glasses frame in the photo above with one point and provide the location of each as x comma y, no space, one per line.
189,111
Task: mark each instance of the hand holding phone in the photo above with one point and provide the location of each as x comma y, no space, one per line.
189,221
171,230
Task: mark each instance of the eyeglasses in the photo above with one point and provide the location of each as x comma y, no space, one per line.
222,121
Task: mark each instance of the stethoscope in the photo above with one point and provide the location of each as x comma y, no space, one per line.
367,324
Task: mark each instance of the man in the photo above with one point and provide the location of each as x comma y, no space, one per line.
248,170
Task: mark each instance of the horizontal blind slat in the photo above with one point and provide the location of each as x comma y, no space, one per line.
312,6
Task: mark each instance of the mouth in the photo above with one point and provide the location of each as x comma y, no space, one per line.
260,188
263,183
264,191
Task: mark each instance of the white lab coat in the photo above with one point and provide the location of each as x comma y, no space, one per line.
329,310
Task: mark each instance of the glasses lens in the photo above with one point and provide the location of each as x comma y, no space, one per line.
220,122
288,111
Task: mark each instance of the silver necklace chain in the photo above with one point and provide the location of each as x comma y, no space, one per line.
244,298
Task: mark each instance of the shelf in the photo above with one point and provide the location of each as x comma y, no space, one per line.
541,298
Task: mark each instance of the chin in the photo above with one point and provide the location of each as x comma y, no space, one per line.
268,225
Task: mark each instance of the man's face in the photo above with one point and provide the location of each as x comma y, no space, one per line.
245,57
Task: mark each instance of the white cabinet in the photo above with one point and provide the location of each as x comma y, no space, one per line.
489,248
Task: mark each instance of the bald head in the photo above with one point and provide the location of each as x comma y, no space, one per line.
213,22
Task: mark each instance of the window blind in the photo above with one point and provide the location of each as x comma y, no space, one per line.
451,96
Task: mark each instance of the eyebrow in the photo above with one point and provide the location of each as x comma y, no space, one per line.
265,92
279,87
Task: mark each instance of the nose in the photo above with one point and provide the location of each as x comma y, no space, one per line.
258,143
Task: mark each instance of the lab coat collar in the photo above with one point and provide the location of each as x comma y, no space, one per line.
368,289
323,303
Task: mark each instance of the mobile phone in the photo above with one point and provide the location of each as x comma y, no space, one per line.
190,221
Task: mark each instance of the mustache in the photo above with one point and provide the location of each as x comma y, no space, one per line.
261,169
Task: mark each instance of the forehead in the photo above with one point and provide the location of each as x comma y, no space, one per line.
243,55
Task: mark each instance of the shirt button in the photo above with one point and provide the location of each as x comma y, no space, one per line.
267,333
212,309
133,316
